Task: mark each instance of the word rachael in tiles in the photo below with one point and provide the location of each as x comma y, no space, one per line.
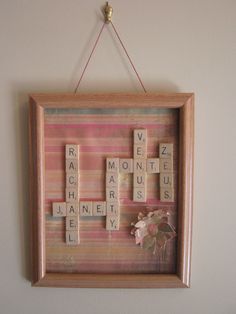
140,166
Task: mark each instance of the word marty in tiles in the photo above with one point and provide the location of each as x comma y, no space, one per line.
140,166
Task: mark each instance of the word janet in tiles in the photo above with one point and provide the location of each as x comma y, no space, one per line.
140,166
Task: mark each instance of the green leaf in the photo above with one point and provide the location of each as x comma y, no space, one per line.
148,242
161,239
165,227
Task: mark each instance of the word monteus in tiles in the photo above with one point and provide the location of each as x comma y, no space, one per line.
140,166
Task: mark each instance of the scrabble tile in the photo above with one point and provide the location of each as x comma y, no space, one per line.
72,223
112,222
166,150
72,237
112,179
59,209
112,164
139,194
153,165
72,209
139,165
166,180
126,165
139,179
140,151
72,165
99,208
72,179
72,151
166,165
72,195
113,208
166,194
85,208
140,136
112,194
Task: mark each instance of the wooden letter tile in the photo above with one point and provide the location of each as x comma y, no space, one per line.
166,180
139,165
72,223
85,208
139,179
126,165
112,222
112,194
72,165
72,179
140,151
59,209
166,165
72,151
72,237
153,165
112,179
140,136
139,195
113,208
166,194
72,195
99,208
166,150
72,209
112,164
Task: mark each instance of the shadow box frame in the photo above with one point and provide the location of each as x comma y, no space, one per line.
184,102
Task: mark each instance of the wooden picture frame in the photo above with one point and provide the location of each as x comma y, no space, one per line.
184,104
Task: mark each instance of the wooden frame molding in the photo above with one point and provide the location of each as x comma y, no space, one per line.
184,102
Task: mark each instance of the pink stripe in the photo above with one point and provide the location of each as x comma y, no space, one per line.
104,125
90,149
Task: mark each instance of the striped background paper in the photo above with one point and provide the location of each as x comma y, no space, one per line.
104,133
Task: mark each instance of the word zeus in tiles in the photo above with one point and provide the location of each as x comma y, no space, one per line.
140,166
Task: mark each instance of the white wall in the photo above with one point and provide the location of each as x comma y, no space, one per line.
184,45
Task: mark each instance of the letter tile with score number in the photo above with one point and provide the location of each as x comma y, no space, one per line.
153,165
166,165
139,165
113,208
139,179
126,165
59,209
140,136
140,151
72,195
166,194
85,208
72,237
112,194
72,179
112,222
72,151
112,164
72,165
72,223
166,150
166,180
72,209
139,195
99,208
112,179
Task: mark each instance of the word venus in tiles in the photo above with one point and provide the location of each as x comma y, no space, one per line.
140,166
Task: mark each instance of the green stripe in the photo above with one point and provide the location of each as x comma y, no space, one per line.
109,111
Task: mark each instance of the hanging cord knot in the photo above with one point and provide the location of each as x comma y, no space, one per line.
108,11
